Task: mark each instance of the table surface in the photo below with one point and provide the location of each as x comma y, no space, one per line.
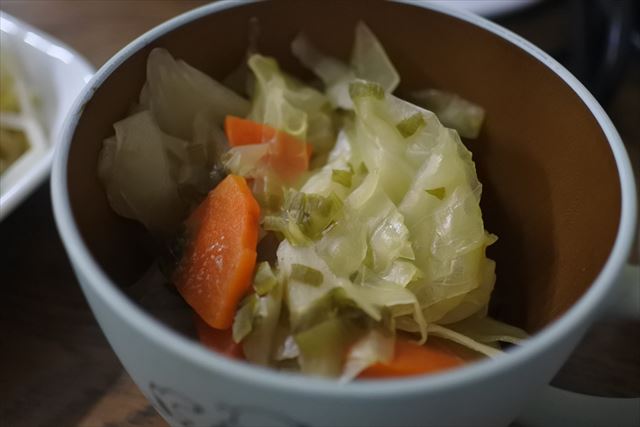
56,368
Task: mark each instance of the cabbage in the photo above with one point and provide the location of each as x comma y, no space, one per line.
139,176
243,320
375,346
259,345
335,74
487,330
454,111
264,280
458,338
257,318
410,240
166,155
369,61
322,347
246,160
304,216
284,103
155,178
176,93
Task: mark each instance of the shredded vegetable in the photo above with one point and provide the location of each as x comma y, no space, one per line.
373,239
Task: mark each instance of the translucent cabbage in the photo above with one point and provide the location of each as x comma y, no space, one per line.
166,155
369,62
286,104
376,346
246,160
176,93
243,321
322,347
264,280
487,330
454,112
259,345
458,338
335,74
140,178
257,319
410,239
304,216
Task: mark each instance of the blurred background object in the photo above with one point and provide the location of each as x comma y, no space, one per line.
57,368
602,43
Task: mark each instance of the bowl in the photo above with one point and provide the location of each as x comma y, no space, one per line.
54,75
558,190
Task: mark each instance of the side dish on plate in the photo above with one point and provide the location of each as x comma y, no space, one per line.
39,79
17,122
330,227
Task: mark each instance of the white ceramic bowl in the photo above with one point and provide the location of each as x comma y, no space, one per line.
560,186
54,74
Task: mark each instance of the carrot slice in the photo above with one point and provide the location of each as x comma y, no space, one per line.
218,340
413,359
288,155
217,267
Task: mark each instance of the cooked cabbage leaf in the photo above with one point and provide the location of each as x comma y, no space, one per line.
284,103
176,93
369,61
410,239
140,179
454,112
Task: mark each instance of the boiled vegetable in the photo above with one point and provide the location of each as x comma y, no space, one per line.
221,341
411,359
286,155
217,268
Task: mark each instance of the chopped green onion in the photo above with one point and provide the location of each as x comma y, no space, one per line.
410,125
305,274
304,216
264,280
360,89
437,192
342,177
243,322
289,230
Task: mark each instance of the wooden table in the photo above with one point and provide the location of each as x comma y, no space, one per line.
56,367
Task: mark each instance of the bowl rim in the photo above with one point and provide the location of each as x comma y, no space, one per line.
182,347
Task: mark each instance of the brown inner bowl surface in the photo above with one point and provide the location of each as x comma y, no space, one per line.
551,189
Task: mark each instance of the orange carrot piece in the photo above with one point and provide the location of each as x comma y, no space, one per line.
412,359
217,267
218,340
288,155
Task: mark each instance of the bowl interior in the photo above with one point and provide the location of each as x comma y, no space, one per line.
551,188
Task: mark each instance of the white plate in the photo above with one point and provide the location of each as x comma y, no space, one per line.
54,74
